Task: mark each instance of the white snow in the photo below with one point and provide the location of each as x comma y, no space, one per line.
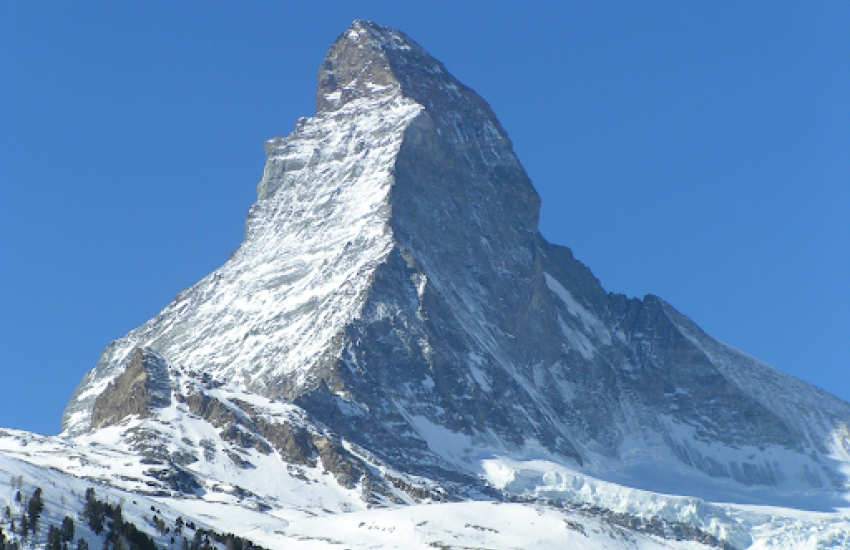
590,321
450,445
317,516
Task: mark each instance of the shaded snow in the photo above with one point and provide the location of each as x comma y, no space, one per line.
587,318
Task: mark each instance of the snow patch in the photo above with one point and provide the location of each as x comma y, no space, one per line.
452,446
588,319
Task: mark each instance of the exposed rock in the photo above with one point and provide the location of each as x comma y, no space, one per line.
294,444
141,388
338,461
211,409
176,478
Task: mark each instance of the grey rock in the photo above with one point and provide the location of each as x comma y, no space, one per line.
139,390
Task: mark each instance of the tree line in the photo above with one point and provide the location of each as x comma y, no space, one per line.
106,520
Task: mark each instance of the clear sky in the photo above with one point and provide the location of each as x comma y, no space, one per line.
698,151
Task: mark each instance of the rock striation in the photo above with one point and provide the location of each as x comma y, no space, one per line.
142,388
394,289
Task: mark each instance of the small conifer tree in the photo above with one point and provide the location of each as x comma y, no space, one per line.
54,538
67,529
35,507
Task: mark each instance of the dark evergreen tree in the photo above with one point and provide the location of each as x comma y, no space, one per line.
137,539
35,507
82,544
159,524
93,512
67,529
117,524
54,538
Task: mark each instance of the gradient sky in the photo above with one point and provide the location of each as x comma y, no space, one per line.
698,151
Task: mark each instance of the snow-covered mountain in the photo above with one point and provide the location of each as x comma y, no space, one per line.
395,331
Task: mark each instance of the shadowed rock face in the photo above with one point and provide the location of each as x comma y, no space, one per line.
142,387
393,285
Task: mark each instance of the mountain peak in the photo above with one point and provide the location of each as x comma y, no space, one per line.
358,65
380,36
373,61
393,287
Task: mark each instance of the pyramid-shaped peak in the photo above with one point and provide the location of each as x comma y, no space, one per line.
379,36
373,61
393,288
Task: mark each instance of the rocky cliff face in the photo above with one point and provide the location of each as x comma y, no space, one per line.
142,388
394,289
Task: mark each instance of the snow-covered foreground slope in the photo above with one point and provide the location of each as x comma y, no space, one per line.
559,509
64,495
474,525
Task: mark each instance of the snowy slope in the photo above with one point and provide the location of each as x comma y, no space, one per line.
568,509
64,495
479,525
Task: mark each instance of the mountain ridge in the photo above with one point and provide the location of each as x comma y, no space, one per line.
395,321
425,253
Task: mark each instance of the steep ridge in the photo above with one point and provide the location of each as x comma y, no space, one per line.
268,318
394,295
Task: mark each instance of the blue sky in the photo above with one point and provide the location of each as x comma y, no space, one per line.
697,151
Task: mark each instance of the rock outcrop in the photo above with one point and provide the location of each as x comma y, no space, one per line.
142,387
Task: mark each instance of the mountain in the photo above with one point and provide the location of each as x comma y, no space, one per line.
394,330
